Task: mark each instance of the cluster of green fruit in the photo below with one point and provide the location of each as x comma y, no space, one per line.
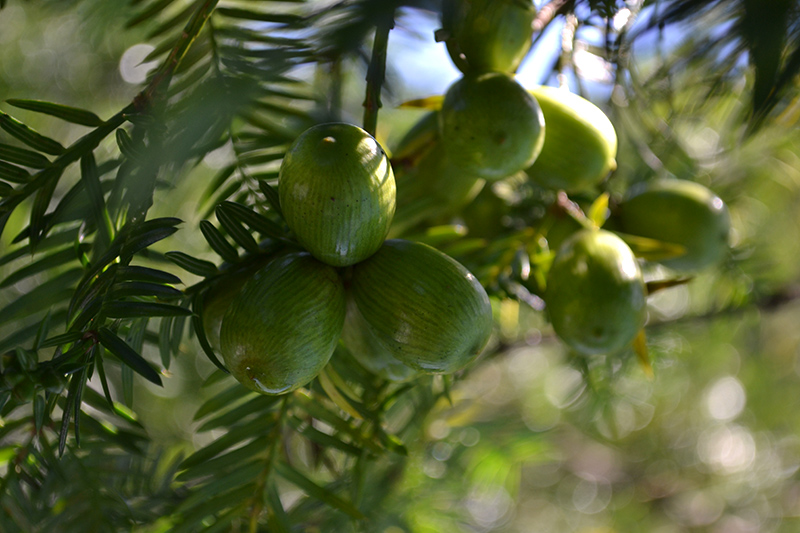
489,128
398,304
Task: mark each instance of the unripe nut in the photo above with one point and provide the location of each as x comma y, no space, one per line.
426,309
595,295
282,327
337,193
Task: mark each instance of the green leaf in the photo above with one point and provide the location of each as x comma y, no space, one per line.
164,347
217,182
151,11
214,467
144,288
38,224
199,330
198,267
139,273
60,340
22,156
69,114
323,439
142,309
127,355
246,14
598,211
38,412
128,147
315,491
30,137
229,222
259,427
50,293
57,259
5,189
257,222
258,405
141,236
218,242
91,182
222,400
13,173
278,520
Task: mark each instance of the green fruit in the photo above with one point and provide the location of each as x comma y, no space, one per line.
679,212
368,350
282,327
488,35
595,293
580,146
337,193
427,310
490,126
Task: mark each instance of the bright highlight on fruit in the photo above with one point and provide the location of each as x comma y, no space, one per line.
595,293
282,327
425,308
337,193
680,212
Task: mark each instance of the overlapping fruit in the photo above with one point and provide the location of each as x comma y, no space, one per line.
402,308
337,194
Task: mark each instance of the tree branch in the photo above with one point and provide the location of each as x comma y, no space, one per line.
377,71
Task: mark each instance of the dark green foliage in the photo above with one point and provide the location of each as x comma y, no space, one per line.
101,296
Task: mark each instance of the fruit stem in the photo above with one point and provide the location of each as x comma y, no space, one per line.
377,71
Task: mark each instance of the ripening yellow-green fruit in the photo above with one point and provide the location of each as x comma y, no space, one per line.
580,146
337,193
595,294
679,212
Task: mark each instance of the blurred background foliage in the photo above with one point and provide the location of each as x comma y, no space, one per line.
532,437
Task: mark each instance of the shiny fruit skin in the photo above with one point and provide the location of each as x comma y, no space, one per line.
488,35
580,146
427,310
680,212
337,193
595,293
358,338
282,327
491,126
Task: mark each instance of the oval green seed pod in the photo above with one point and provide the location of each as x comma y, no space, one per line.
282,327
488,35
595,295
680,212
491,126
337,193
580,146
426,308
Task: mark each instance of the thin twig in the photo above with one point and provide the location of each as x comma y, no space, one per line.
376,72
